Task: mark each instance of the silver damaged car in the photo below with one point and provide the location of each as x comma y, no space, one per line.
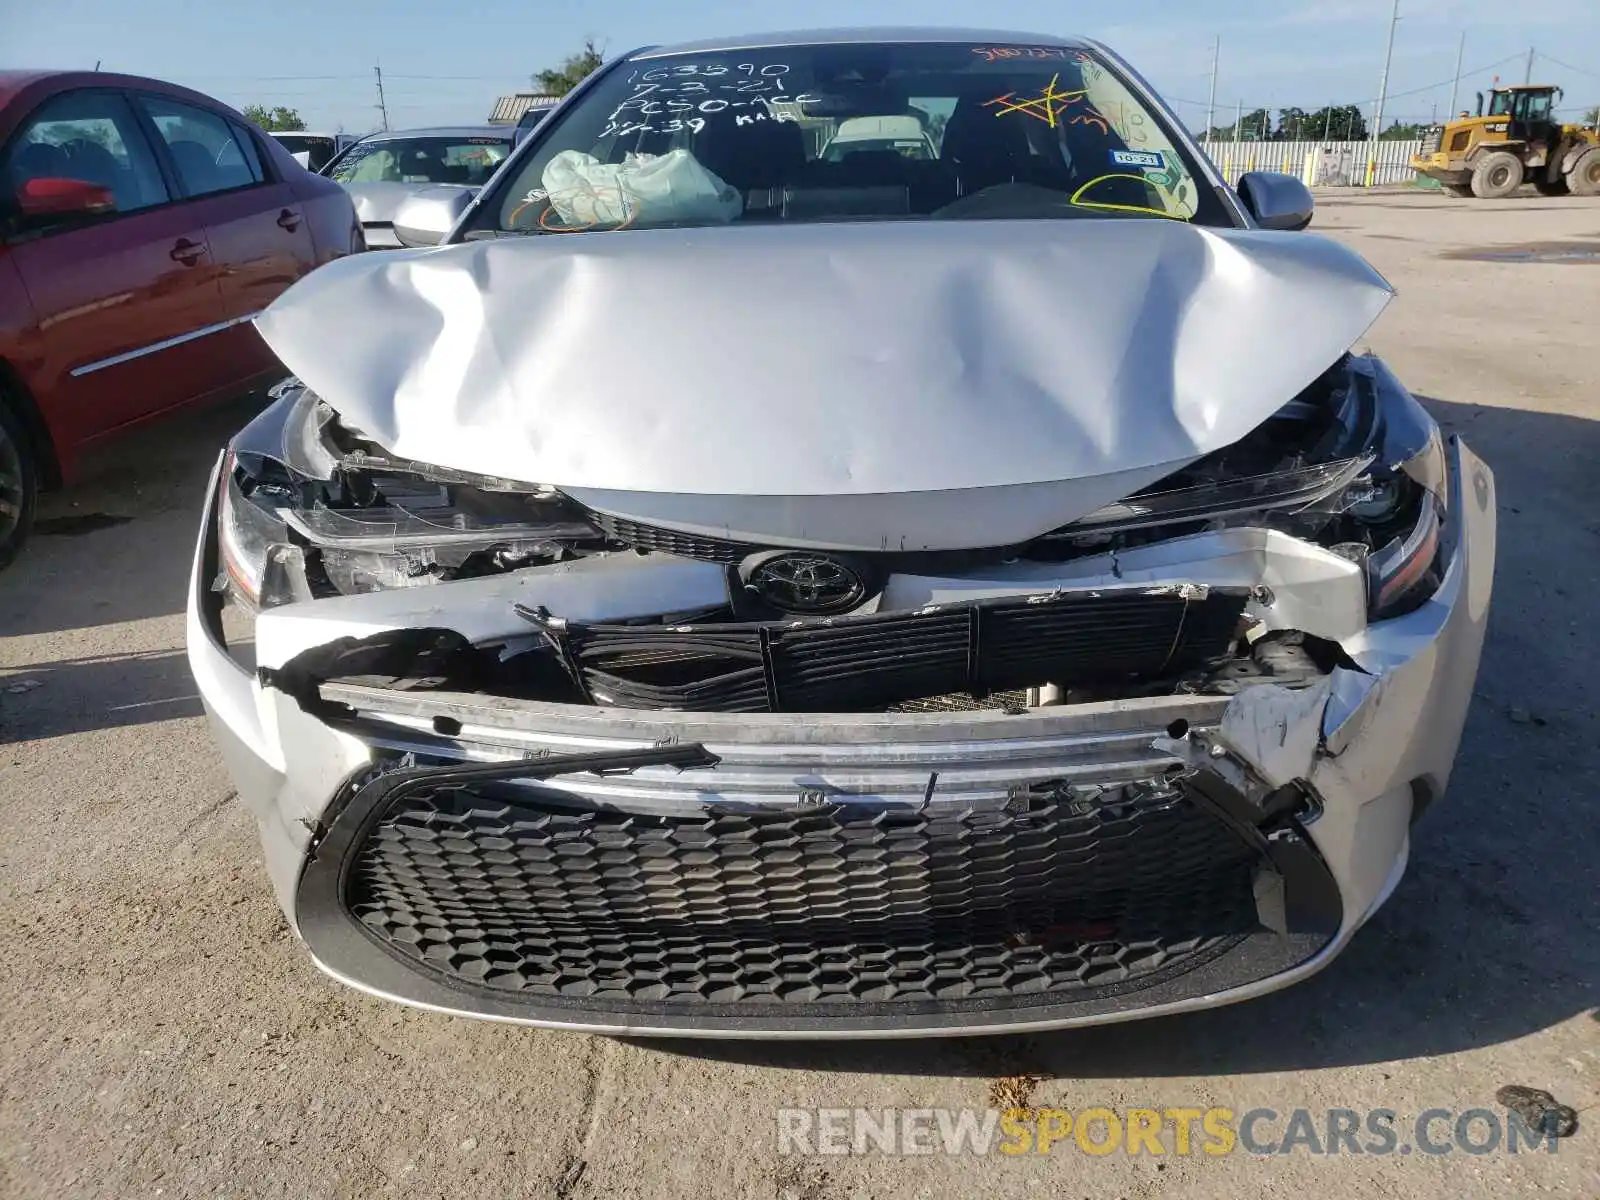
733,589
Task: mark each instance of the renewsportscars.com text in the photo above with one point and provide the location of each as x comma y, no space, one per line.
1155,1131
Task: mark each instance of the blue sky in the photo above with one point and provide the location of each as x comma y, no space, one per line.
446,62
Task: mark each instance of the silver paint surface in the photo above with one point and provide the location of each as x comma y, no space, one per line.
908,385
378,201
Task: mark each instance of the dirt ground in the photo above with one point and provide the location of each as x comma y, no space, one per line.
164,1035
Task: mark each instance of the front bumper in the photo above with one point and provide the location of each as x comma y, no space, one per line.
1438,166
716,877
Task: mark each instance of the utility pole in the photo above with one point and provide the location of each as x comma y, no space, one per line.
1527,76
1211,100
1383,94
382,107
1238,121
1455,87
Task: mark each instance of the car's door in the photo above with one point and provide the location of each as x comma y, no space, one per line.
256,225
125,300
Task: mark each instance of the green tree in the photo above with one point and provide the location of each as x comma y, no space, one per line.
276,119
574,69
1592,117
1401,132
1292,125
1337,123
1256,126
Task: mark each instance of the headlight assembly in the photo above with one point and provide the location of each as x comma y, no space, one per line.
261,568
1354,463
1398,508
307,510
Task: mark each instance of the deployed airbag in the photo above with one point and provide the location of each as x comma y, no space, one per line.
649,188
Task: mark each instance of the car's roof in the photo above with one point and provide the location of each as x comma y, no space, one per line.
15,82
300,133
495,131
846,37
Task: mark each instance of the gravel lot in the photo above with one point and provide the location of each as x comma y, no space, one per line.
164,1034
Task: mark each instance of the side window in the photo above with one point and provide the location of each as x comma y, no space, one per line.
208,151
89,136
244,153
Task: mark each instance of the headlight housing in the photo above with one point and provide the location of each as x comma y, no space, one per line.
1400,505
261,567
306,510
1353,463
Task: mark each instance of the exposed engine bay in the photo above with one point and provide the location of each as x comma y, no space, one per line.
1248,563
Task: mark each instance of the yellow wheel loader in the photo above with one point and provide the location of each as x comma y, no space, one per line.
1515,142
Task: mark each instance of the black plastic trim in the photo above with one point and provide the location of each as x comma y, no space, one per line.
343,945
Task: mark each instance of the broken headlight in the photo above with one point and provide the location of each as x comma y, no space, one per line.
1295,489
1397,510
261,567
308,511
1353,463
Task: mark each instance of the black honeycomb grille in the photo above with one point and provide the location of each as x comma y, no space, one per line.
831,909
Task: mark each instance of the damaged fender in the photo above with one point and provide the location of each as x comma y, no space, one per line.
1378,736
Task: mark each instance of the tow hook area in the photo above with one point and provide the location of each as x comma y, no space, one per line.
1251,775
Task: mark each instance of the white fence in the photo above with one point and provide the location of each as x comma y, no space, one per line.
1329,164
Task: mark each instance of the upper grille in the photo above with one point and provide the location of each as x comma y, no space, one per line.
1065,892
654,539
847,664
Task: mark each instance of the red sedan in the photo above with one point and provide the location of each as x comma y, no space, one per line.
142,226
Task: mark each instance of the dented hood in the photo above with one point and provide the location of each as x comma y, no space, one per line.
914,384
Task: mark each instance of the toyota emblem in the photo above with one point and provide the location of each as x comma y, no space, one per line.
807,583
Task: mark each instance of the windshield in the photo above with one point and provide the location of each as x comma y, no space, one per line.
422,160
853,132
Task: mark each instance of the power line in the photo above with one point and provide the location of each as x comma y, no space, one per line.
1392,95
269,78
1444,82
502,77
1569,66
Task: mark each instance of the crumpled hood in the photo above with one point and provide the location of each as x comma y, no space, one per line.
378,201
831,384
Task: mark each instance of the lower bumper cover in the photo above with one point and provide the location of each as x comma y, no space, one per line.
865,874
833,915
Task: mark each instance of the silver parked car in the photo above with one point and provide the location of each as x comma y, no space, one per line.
384,170
727,591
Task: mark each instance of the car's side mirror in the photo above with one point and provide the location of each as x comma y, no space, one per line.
425,218
50,196
1275,200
